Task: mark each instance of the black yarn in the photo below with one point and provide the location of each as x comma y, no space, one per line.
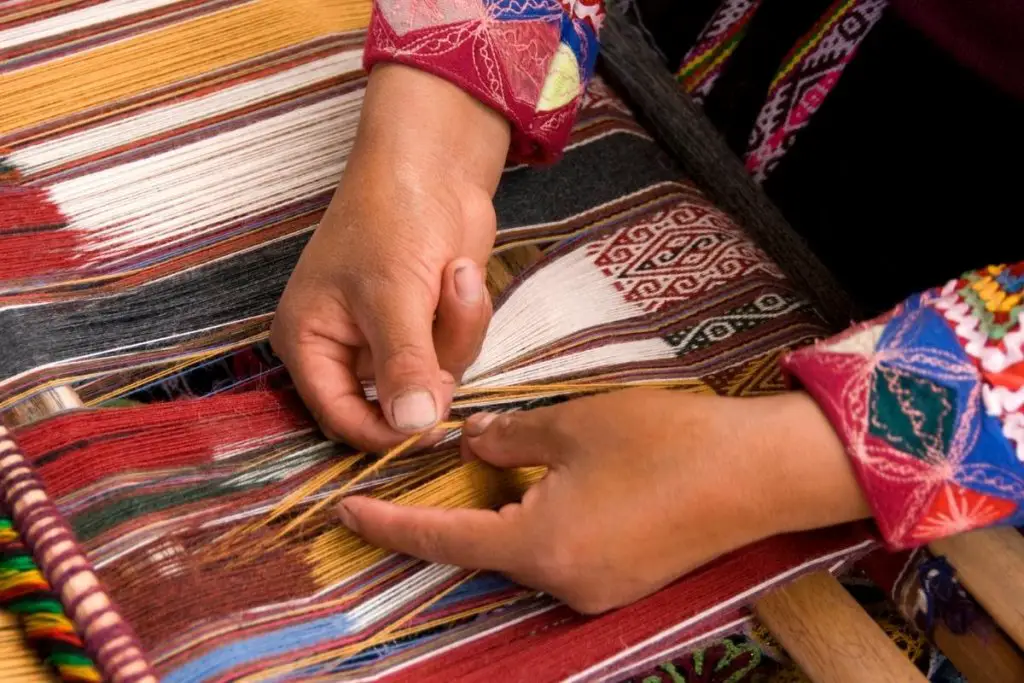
251,284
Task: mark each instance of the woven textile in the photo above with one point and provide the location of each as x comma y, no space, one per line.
165,164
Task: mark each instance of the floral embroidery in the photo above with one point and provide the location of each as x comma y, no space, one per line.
929,401
528,59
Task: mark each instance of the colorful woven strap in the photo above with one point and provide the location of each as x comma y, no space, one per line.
702,65
805,78
25,592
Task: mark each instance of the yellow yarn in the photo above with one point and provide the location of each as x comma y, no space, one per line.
168,56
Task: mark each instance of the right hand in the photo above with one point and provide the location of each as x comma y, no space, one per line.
406,238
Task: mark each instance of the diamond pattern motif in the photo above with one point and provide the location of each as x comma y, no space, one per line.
929,408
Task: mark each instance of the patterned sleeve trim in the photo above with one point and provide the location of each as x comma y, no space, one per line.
929,401
528,59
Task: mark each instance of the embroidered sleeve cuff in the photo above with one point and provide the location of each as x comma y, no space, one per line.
528,60
929,401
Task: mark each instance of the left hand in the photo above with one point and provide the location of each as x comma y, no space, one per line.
642,487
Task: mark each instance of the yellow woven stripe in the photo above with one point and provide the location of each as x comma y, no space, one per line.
811,44
699,71
175,53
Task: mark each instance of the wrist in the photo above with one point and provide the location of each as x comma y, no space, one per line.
810,481
412,121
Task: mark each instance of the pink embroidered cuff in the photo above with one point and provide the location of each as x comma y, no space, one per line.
528,60
929,401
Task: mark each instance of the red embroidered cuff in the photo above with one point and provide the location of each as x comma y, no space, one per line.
929,400
528,62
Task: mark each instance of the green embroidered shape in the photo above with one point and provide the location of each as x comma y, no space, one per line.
733,656
669,669
912,413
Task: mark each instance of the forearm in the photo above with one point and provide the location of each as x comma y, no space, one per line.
412,120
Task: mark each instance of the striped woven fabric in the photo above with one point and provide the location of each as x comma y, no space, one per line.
164,163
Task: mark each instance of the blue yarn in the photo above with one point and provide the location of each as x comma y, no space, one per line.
232,655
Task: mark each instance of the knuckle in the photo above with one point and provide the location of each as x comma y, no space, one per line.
431,544
590,602
326,428
507,429
406,360
555,567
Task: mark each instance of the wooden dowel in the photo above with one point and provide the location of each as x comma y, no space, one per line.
982,658
830,636
818,623
990,565
49,402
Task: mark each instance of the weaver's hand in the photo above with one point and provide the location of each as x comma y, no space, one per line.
405,238
642,487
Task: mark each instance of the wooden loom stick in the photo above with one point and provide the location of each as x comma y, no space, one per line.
800,610
697,145
981,658
830,636
990,564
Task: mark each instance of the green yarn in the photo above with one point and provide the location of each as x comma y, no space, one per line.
69,659
18,563
34,606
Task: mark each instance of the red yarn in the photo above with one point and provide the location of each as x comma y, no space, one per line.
33,239
69,455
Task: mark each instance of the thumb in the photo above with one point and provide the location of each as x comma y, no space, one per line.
463,313
398,326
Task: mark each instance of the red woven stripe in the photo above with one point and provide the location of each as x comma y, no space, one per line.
559,643
27,209
69,455
32,245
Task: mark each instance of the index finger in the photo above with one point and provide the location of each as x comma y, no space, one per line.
324,377
472,539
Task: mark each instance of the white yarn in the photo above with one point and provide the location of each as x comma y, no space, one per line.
642,350
74,21
176,114
167,198
396,597
564,297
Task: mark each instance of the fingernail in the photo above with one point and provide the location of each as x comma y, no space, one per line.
477,424
346,517
468,284
415,409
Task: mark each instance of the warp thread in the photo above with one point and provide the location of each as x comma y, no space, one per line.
25,592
